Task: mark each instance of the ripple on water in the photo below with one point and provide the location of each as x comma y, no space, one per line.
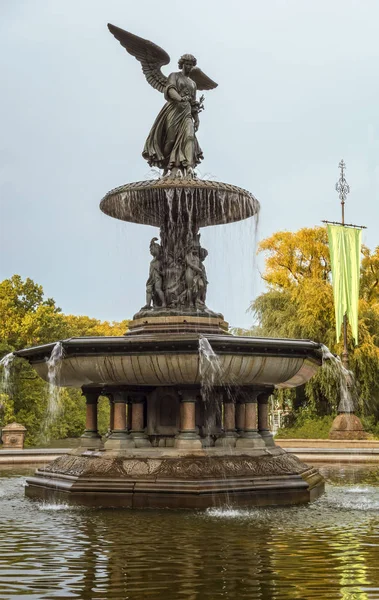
321,551
228,513
53,507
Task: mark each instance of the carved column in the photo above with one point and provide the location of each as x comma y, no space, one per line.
263,424
240,414
129,413
230,435
119,437
250,437
188,437
138,434
91,437
111,414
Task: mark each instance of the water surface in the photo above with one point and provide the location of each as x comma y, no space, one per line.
326,550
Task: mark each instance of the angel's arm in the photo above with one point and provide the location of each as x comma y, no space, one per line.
195,116
195,110
171,92
174,95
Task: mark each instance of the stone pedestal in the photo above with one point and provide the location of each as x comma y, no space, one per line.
120,436
347,426
188,438
263,424
91,437
137,433
13,436
249,437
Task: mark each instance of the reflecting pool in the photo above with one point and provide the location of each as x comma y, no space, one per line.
329,549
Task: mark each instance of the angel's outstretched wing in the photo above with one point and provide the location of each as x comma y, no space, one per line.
151,56
203,82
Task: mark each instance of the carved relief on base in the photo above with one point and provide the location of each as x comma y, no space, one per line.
177,468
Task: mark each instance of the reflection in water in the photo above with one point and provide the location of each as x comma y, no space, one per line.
326,550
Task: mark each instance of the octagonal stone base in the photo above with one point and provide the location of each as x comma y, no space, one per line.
177,479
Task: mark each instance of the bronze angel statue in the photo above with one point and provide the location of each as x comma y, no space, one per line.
171,144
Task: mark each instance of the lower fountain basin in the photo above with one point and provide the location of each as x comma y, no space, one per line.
168,360
187,462
173,479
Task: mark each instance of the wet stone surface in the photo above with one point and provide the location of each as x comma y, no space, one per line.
328,549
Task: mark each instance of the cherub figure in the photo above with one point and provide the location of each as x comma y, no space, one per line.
196,277
172,143
154,292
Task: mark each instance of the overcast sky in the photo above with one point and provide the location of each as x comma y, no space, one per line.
298,90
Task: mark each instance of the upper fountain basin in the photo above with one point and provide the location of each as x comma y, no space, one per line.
162,359
199,202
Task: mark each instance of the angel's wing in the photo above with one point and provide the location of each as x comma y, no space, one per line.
151,56
203,82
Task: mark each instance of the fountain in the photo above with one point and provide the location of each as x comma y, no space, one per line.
188,400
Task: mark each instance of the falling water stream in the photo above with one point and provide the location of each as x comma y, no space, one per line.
54,365
210,365
210,375
344,378
6,362
178,207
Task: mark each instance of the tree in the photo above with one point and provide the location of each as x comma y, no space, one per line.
77,326
27,318
292,258
299,303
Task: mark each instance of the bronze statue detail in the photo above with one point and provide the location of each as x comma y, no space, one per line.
177,281
172,143
196,277
154,292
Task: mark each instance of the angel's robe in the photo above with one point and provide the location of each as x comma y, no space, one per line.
172,141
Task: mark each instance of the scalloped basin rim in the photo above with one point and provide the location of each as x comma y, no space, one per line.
152,202
90,344
167,360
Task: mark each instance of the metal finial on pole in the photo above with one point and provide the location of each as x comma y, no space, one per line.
342,187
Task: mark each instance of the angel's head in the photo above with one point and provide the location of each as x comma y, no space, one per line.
187,62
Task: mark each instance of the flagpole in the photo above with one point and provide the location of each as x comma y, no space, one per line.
343,189
346,425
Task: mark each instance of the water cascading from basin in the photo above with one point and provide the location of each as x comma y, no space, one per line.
54,391
346,426
345,379
6,363
177,282
210,370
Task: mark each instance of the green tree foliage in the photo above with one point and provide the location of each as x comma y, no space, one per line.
27,318
299,303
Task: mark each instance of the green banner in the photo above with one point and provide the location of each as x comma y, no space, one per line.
345,254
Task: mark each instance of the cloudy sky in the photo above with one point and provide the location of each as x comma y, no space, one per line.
298,90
